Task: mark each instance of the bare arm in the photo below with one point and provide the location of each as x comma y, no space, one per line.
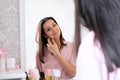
67,67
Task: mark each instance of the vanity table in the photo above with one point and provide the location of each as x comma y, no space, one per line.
13,75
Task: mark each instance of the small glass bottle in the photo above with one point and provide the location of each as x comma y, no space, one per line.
56,74
48,74
42,76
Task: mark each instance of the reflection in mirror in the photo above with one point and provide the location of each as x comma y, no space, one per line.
20,19
35,10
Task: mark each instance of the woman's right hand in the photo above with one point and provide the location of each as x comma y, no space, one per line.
52,46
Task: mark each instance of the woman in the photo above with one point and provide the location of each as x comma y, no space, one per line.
53,51
99,52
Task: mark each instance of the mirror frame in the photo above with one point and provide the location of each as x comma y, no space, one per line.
22,34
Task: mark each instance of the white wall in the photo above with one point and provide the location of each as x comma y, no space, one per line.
35,10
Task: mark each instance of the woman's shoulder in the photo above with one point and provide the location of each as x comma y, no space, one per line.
69,44
115,75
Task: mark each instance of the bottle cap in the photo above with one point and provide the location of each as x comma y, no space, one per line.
42,74
48,71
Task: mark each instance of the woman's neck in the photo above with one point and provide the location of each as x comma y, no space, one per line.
57,41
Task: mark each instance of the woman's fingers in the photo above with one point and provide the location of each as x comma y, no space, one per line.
47,45
49,41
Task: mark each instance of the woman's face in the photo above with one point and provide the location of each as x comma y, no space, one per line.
51,29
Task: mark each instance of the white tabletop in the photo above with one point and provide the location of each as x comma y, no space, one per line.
13,74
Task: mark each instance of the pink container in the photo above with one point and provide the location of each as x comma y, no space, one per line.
2,61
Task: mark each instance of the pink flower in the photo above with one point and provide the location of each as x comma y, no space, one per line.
2,55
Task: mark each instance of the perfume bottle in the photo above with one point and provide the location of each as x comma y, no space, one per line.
42,76
48,74
56,74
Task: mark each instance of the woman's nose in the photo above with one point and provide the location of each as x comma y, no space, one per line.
53,29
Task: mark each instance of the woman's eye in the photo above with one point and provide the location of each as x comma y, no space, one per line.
48,29
54,25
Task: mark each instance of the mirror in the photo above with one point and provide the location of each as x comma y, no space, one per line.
27,14
35,10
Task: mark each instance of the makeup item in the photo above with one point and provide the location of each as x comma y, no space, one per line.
42,76
56,74
48,74
2,61
31,74
37,76
10,63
